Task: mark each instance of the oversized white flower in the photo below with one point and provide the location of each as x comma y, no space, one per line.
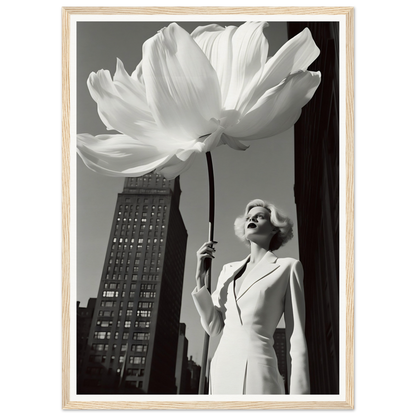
191,93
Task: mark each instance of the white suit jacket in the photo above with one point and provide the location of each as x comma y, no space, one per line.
245,361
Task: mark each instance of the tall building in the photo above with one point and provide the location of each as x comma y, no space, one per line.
280,349
182,362
133,338
194,376
84,319
317,202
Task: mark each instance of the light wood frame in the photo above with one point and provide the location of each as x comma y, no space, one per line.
348,12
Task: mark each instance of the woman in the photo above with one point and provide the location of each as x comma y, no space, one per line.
250,298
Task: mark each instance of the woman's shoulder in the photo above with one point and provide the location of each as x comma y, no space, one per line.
293,266
289,261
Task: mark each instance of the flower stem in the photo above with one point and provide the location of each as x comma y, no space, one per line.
211,206
208,266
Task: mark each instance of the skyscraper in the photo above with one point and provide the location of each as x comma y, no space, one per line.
317,150
133,338
182,362
280,349
84,319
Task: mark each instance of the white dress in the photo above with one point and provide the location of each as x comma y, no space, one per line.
245,361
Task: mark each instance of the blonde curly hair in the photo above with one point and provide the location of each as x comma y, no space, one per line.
284,224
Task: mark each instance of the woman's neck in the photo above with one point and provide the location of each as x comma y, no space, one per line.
257,253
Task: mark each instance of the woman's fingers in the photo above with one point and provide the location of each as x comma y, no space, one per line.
207,246
207,252
206,255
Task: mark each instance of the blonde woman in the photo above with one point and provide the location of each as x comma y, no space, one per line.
250,298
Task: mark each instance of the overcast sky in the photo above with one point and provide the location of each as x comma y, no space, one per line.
265,171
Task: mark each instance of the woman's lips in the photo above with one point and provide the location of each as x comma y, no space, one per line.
251,225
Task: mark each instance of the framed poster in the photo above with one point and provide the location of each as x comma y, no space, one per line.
132,337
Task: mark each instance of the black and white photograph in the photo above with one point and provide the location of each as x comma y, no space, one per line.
209,185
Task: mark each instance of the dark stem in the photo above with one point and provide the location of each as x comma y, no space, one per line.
211,208
208,266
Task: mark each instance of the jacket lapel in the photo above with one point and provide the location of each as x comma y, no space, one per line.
267,264
234,268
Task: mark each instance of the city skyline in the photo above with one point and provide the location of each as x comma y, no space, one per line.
265,170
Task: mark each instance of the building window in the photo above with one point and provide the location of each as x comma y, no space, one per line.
106,313
142,324
111,286
145,305
141,336
146,294
107,294
102,335
147,286
108,304
100,347
144,314
137,360
104,324
139,348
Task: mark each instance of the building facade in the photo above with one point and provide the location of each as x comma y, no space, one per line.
280,349
181,372
84,320
317,201
194,371
133,338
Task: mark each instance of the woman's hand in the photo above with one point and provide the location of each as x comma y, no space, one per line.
204,256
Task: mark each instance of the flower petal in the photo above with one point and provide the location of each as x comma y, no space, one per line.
118,155
279,108
182,87
117,108
294,56
175,167
233,142
203,144
132,89
216,42
249,48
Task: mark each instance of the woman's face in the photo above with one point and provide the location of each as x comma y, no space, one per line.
258,224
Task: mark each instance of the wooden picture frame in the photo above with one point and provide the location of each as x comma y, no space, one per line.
345,398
